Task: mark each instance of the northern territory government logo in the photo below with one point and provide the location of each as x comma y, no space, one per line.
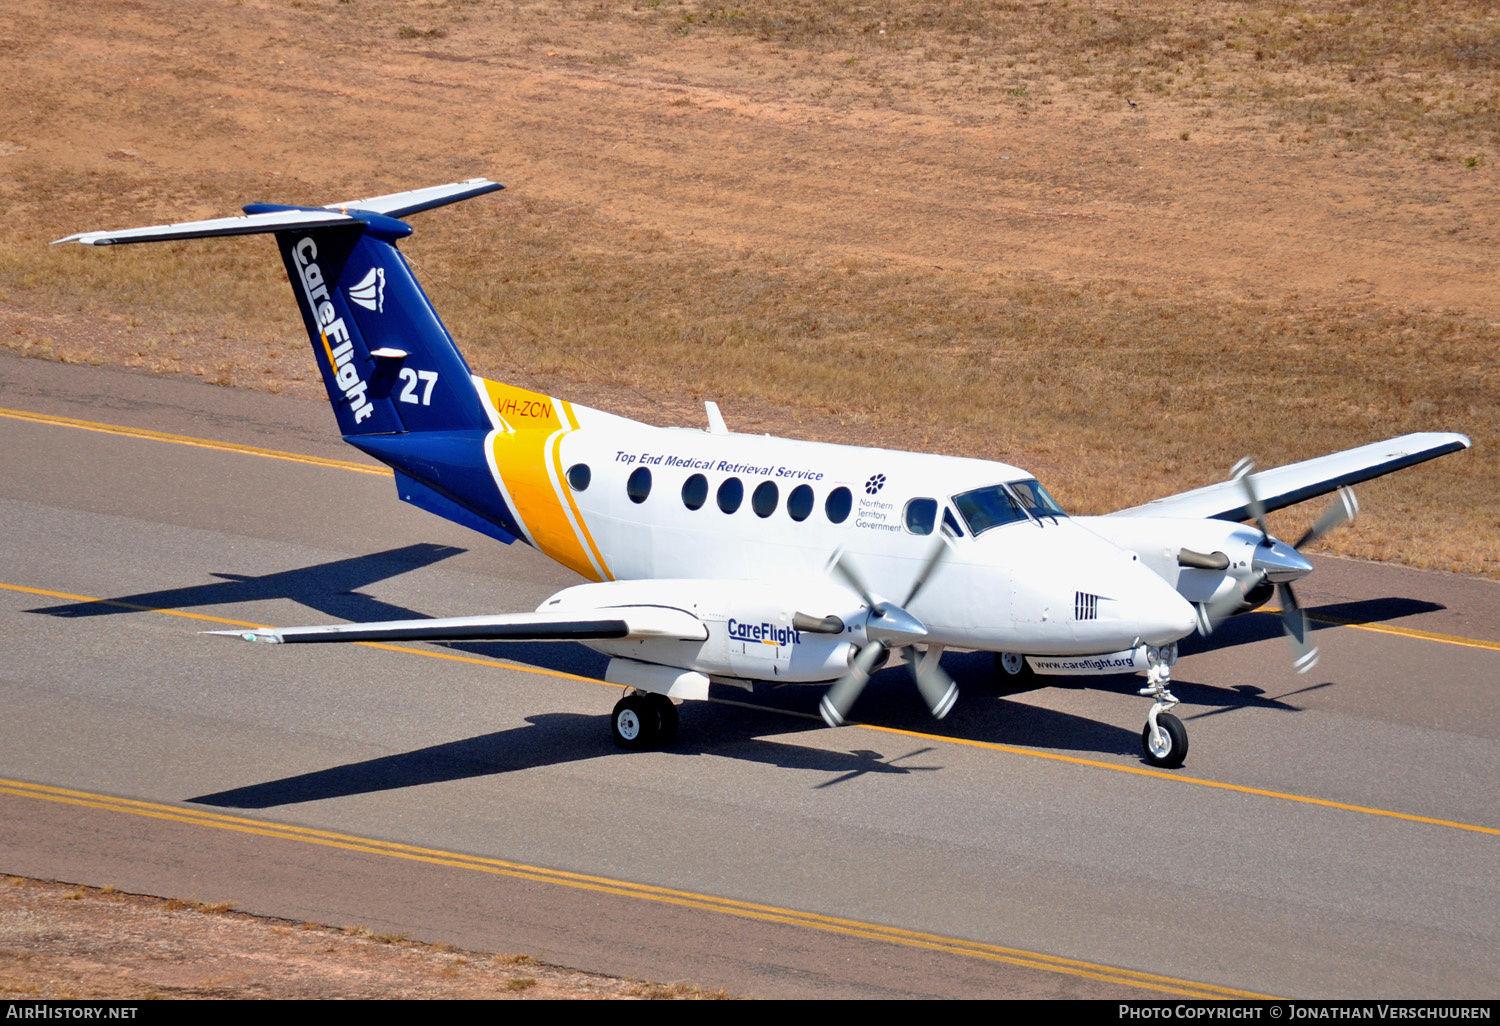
370,292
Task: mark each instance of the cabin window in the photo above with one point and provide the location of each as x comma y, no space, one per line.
579,476
764,499
731,494
921,516
695,491
799,504
838,504
639,484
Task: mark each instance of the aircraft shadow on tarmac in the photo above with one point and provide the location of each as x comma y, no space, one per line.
330,588
733,731
551,739
1261,625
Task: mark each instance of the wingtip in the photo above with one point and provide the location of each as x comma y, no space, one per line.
264,634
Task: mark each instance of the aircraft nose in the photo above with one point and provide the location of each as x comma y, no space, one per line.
1164,616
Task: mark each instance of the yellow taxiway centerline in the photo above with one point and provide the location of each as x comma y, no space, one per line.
200,443
990,745
628,889
1384,628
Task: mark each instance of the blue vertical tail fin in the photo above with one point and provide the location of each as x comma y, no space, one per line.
388,363
400,389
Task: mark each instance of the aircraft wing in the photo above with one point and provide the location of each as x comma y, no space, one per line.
1298,482
580,625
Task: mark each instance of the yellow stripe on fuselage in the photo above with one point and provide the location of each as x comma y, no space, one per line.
532,436
567,494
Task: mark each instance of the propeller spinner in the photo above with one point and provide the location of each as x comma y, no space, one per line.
889,626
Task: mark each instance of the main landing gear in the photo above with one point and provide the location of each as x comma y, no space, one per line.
644,720
1164,739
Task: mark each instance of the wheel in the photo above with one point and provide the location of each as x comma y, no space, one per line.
1013,668
636,722
1170,751
666,718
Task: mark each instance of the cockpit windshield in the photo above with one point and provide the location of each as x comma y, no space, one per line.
997,505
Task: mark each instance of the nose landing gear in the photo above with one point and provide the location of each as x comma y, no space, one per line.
1013,668
1164,738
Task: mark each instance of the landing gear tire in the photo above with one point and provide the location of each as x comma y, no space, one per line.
1170,748
636,722
666,713
644,720
1013,668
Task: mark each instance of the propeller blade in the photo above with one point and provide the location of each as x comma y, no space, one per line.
937,688
1221,607
1244,473
842,567
1344,509
839,699
928,565
1295,624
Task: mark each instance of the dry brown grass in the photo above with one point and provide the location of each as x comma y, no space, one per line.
64,942
1116,393
1383,73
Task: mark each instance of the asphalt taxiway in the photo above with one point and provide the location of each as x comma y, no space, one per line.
1334,835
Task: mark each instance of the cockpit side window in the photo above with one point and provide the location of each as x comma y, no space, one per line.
950,523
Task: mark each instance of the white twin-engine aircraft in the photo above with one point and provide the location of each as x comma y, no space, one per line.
730,558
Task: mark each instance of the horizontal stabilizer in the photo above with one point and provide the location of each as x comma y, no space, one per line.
1298,482
414,201
621,622
396,204
249,224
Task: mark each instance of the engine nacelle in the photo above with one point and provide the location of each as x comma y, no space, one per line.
750,632
1160,543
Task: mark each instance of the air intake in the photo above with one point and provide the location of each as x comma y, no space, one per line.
1085,606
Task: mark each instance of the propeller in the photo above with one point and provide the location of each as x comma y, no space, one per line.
1221,607
1343,511
889,626
1276,562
